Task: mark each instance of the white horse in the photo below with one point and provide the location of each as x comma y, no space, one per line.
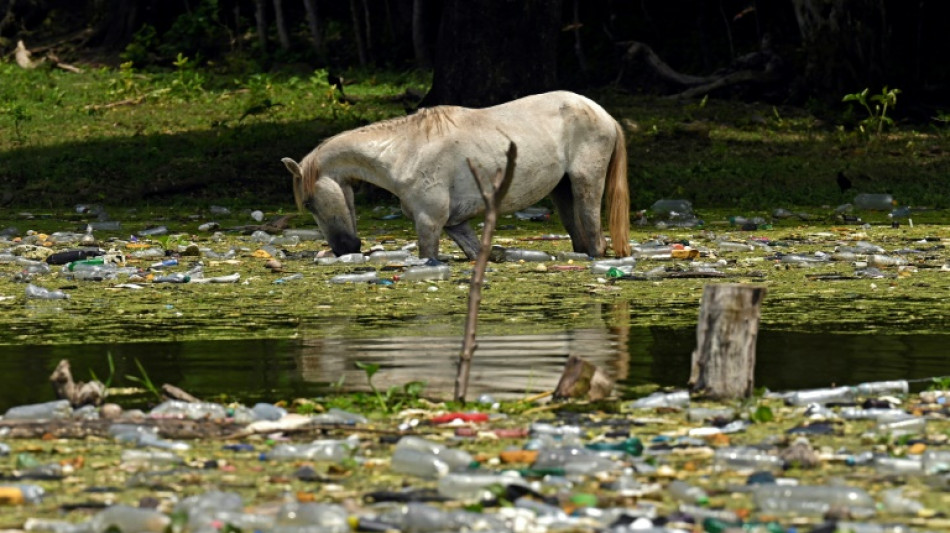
568,146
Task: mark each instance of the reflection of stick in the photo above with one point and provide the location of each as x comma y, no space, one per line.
492,194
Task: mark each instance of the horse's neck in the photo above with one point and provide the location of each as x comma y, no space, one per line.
358,161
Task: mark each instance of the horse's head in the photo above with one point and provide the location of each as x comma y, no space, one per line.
326,201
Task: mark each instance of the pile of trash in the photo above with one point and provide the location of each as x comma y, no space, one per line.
871,457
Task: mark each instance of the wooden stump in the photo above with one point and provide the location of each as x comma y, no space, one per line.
583,379
724,359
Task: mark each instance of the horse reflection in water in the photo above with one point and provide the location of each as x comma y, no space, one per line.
505,366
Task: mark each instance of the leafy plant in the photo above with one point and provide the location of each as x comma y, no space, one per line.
144,380
940,383
876,106
395,396
108,380
188,81
19,114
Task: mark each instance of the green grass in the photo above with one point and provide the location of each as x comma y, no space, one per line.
187,136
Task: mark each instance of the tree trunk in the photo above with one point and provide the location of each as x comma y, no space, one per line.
845,46
419,43
368,35
260,16
282,34
493,51
314,23
358,32
724,360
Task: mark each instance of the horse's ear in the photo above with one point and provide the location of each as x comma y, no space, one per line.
293,167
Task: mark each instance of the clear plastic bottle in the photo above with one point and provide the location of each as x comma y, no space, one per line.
732,246
455,458
886,464
672,207
910,425
822,396
602,266
662,399
268,411
304,234
426,273
874,202
127,518
520,254
572,256
936,462
99,273
418,463
684,492
348,259
146,458
315,517
393,256
880,388
177,277
574,460
812,499
880,260
741,457
192,410
474,485
58,409
653,251
334,451
356,277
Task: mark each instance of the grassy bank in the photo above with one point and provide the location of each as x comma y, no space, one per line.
193,137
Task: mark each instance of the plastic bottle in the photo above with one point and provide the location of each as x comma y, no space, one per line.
192,410
742,221
880,388
624,264
426,273
334,451
821,396
535,213
289,278
474,485
804,260
418,463
520,254
874,202
572,256
348,259
304,234
662,399
653,251
394,256
312,516
886,464
911,425
143,458
268,411
811,499
880,260
741,457
631,446
701,414
356,277
53,526
672,207
177,277
127,518
99,273
150,232
573,460
684,492
456,459
732,246
41,293
20,493
57,409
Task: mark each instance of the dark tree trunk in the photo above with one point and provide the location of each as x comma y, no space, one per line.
845,44
419,43
313,22
358,32
282,34
493,51
260,16
120,23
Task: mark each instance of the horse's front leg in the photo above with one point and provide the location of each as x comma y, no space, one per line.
428,231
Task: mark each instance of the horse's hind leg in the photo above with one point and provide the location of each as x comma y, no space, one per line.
587,195
465,237
564,202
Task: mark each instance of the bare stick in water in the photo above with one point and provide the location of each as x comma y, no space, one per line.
492,193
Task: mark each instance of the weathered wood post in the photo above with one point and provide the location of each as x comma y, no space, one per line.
724,359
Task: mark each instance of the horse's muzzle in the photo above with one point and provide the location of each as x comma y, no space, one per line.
344,244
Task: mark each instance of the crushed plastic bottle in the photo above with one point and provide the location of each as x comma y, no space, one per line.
127,518
348,259
192,410
573,460
521,254
41,293
745,457
672,207
475,485
624,264
423,458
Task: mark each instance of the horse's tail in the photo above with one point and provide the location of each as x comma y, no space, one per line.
618,196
